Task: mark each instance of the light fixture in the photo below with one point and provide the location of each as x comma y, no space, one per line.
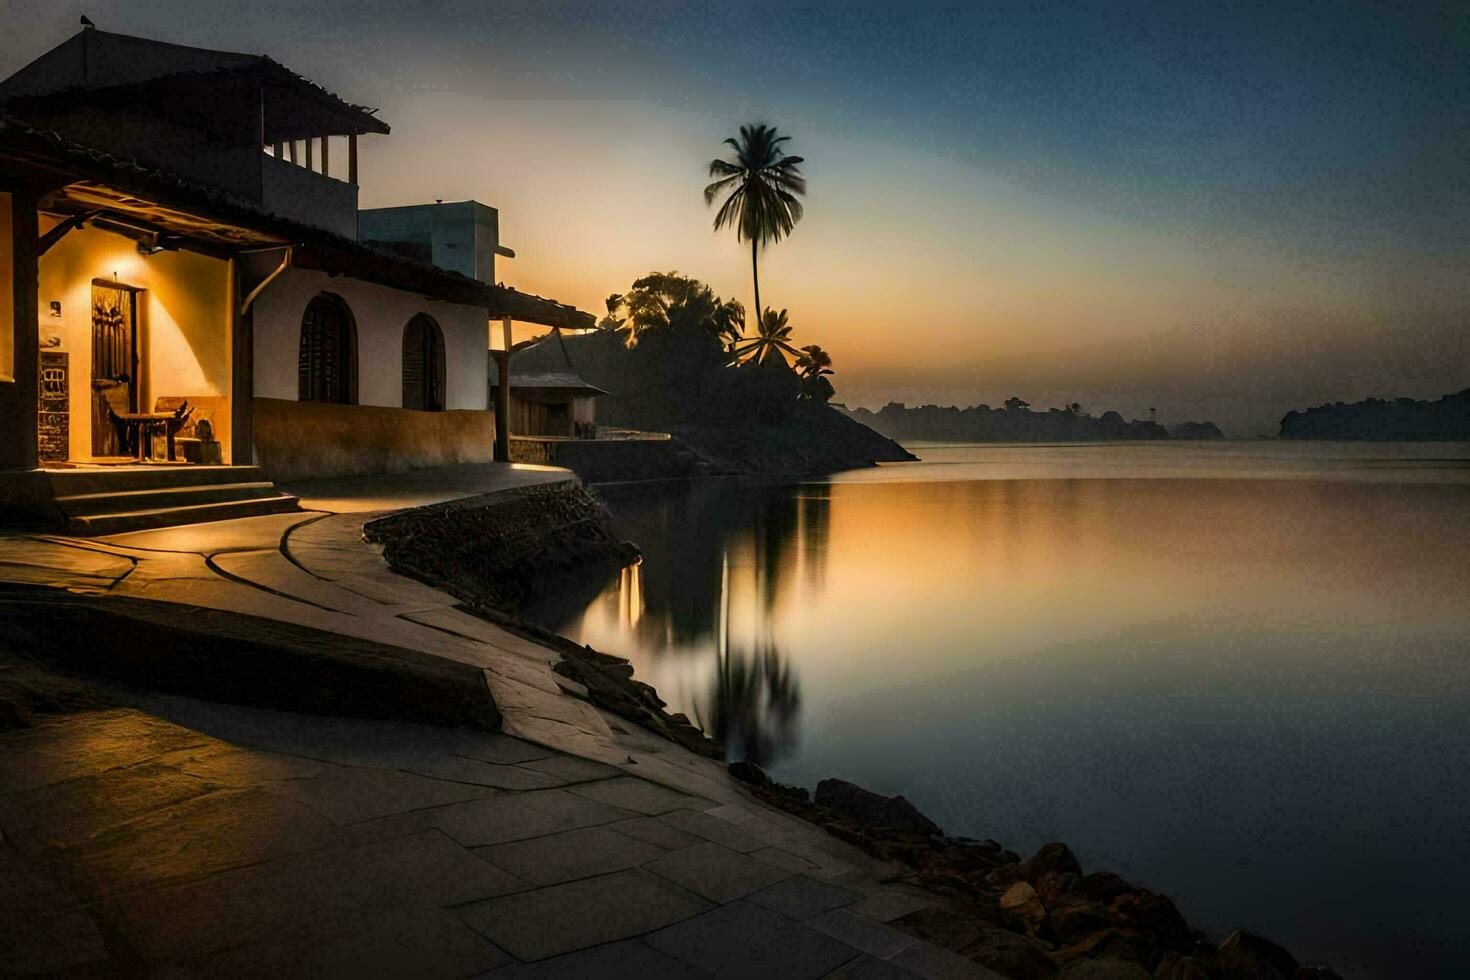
155,243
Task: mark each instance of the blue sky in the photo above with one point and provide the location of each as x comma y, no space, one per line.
1228,210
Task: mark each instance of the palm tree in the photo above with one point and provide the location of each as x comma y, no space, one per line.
772,339
762,183
813,366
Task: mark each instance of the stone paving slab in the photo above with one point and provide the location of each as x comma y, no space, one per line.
212,537
259,902
351,794
202,836
802,898
712,829
638,795
783,859
627,960
29,561
741,940
462,770
510,817
653,831
563,918
871,937
933,963
573,769
396,941
717,873
887,905
573,854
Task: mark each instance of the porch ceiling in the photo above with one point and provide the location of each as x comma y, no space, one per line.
195,230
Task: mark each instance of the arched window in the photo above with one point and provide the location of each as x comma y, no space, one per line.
423,365
327,368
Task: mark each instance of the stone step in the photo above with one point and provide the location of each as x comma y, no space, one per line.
90,525
116,479
116,502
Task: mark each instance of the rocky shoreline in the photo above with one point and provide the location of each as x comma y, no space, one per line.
1032,918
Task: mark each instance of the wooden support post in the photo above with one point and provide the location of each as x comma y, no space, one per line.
326,161
24,407
242,373
502,397
309,146
280,151
291,150
352,158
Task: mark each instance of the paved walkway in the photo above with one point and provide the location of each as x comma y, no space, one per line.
186,837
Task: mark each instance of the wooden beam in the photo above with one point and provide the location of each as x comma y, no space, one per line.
352,158
326,159
309,144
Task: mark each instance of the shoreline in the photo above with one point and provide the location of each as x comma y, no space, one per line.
1022,918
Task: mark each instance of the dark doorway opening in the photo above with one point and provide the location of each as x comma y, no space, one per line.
327,368
423,365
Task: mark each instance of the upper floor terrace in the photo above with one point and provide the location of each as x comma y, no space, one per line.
242,124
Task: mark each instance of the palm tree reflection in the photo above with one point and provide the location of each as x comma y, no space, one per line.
753,706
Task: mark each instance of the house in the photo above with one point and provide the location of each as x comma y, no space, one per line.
549,399
180,225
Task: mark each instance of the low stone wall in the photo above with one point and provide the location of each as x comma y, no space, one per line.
616,460
312,440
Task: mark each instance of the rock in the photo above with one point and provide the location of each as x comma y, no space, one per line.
1101,886
1175,966
1054,886
873,808
1105,970
1009,954
1021,901
1074,923
1246,956
749,772
1052,857
1156,915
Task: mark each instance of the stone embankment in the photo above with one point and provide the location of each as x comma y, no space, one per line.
493,551
1041,917
1033,918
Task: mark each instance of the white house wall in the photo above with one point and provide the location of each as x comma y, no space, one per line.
380,314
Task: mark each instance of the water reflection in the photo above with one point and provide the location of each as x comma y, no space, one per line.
1249,692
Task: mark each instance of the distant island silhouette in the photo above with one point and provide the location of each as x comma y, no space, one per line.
1016,422
1374,419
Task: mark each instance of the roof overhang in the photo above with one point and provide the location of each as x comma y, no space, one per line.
77,180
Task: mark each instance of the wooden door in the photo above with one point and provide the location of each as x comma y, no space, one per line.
114,363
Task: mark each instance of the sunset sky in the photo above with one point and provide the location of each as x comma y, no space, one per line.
1222,210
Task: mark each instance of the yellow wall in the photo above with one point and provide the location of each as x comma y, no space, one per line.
310,440
183,321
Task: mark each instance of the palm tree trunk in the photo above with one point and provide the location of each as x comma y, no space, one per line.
755,277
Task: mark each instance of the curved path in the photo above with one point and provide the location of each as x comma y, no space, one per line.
197,838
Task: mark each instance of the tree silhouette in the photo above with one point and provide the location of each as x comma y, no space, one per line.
762,184
772,339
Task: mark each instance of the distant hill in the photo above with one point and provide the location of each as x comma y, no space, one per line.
1015,423
1403,419
1195,430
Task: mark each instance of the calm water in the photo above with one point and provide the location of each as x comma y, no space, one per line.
1236,673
